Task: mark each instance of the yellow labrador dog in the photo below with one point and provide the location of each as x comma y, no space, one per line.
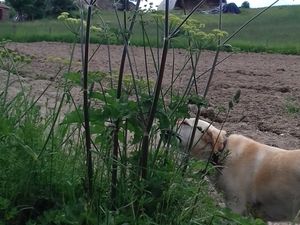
256,178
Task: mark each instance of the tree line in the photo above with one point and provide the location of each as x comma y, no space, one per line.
37,9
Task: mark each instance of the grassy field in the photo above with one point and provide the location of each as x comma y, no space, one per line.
277,30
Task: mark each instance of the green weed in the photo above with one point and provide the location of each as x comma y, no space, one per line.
292,107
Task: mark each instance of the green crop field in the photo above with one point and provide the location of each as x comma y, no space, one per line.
277,30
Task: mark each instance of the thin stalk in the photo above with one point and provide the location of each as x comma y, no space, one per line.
108,50
89,160
177,76
113,193
249,21
190,146
157,42
36,100
13,65
216,55
186,18
151,51
186,159
219,62
145,55
136,90
153,58
211,153
145,142
72,53
94,52
6,88
109,64
53,126
173,71
194,66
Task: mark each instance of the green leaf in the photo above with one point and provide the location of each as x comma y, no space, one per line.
237,96
73,117
96,115
74,77
230,104
134,126
198,100
164,121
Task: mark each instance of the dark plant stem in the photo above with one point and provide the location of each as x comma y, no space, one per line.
186,18
145,55
36,100
126,37
53,126
89,160
245,24
72,53
190,146
157,91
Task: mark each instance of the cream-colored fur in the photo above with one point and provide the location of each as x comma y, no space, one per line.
255,178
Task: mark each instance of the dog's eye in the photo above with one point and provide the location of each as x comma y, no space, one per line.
200,129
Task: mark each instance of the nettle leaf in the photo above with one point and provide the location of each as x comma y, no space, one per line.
96,115
134,126
97,95
96,76
108,96
73,117
76,77
230,104
237,96
76,116
180,108
164,121
198,100
98,128
112,110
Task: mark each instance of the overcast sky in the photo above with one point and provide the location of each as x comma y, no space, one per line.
264,3
253,3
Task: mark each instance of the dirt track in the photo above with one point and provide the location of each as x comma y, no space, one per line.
268,82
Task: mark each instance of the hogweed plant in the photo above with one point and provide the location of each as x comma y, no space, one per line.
140,120
116,159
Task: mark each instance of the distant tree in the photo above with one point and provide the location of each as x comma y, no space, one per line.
245,5
36,9
58,6
22,7
27,9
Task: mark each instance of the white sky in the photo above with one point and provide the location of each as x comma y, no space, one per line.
264,3
253,3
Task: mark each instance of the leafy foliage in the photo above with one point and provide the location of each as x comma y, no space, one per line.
37,9
10,60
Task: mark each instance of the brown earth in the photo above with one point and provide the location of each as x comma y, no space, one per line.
268,83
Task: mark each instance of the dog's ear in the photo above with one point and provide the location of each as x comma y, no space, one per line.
216,138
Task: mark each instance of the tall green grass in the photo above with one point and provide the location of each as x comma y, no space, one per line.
275,31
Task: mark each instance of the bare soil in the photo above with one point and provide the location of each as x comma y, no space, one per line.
268,83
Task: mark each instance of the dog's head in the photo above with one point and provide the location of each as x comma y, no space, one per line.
207,137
